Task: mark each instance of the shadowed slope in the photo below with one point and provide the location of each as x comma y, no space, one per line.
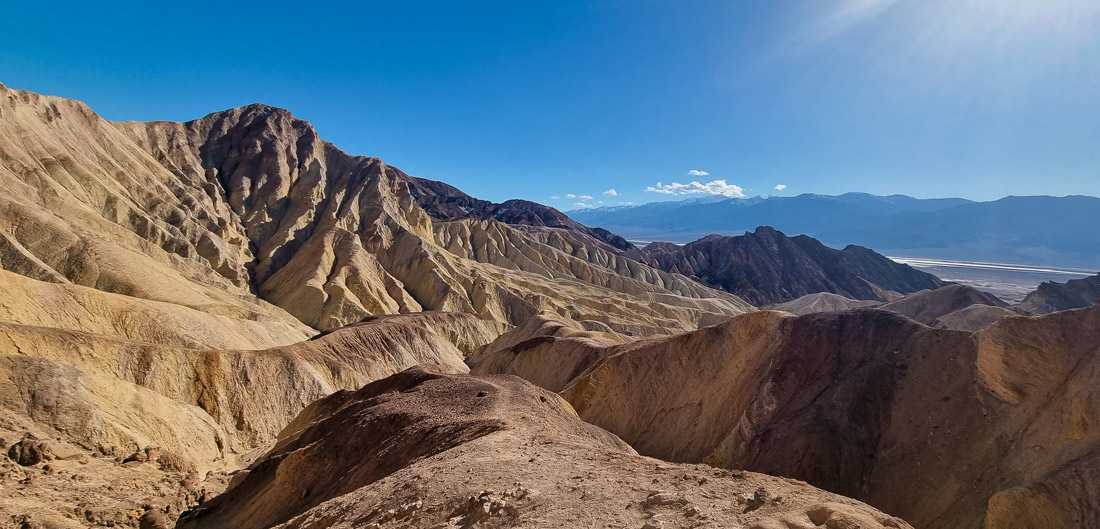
945,428
767,267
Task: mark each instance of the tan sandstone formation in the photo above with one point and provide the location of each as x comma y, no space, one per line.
422,449
249,208
548,351
947,429
209,409
159,282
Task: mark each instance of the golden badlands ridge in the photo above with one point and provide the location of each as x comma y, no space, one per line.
232,320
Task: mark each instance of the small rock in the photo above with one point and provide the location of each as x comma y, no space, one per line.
154,519
758,499
152,453
29,452
664,498
407,509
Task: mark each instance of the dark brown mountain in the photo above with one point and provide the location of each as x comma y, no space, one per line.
1053,297
445,202
766,267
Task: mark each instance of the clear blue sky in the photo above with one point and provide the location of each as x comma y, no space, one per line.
931,98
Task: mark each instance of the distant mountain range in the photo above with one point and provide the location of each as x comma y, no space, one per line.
1031,230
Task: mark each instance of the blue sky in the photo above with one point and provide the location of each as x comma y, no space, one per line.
931,98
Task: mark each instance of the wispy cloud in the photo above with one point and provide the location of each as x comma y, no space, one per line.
696,172
581,205
714,187
781,187
570,195
828,20
611,193
585,197
554,197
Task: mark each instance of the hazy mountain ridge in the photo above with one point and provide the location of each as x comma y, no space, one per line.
1030,230
807,213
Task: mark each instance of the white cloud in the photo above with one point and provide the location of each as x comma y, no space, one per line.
696,172
585,197
599,202
714,187
626,203
581,205
570,195
611,193
781,187
554,197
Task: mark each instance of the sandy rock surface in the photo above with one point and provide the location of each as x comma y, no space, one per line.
421,449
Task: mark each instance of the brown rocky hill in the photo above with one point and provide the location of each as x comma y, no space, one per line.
1053,297
421,449
957,307
927,306
249,215
767,267
946,429
205,410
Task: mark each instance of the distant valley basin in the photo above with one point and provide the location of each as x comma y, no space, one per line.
1010,282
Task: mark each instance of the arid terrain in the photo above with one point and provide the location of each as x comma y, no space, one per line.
231,323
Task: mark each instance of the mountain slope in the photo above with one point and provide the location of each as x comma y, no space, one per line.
421,449
766,267
247,213
927,306
445,202
821,302
94,400
947,429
